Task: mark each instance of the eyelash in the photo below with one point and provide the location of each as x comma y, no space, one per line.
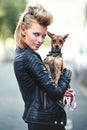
43,36
37,34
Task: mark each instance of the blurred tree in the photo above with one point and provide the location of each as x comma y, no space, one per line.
9,14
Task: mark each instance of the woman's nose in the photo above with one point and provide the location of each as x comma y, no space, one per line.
40,39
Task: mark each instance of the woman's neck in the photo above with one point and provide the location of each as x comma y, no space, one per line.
22,45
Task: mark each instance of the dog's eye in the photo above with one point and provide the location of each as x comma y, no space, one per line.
61,41
53,40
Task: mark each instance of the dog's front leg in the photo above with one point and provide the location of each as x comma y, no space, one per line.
58,68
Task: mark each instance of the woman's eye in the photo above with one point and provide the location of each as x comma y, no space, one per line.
36,34
43,36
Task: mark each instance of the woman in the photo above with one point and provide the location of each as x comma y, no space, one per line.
41,96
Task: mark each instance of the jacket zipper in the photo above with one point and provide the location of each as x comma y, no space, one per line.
44,100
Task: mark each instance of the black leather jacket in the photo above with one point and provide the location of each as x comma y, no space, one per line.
38,90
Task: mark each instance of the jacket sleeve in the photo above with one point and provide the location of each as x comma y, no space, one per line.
42,78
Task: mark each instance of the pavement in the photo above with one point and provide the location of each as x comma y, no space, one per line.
83,89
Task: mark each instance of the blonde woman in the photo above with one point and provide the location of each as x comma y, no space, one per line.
39,92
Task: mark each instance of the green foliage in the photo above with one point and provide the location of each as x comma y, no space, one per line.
47,42
9,14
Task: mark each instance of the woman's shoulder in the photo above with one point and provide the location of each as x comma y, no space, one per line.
33,54
28,54
24,51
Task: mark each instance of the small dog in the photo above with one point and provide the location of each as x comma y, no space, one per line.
54,60
54,63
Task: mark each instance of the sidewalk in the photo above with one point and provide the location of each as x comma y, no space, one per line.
83,89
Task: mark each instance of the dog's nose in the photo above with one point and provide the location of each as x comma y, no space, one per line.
56,47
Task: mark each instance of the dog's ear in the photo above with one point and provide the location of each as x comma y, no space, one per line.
51,35
65,36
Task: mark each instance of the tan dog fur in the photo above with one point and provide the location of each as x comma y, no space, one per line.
54,60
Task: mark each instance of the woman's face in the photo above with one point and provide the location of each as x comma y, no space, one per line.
34,36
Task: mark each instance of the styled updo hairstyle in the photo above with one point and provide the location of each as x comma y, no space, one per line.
32,13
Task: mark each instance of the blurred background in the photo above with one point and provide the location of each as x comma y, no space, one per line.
70,16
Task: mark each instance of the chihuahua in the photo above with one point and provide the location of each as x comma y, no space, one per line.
54,60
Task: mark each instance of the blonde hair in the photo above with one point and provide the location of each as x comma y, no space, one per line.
32,13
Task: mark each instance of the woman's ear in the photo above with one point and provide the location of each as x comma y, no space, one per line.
23,30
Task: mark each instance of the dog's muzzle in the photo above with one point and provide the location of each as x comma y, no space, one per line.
57,48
